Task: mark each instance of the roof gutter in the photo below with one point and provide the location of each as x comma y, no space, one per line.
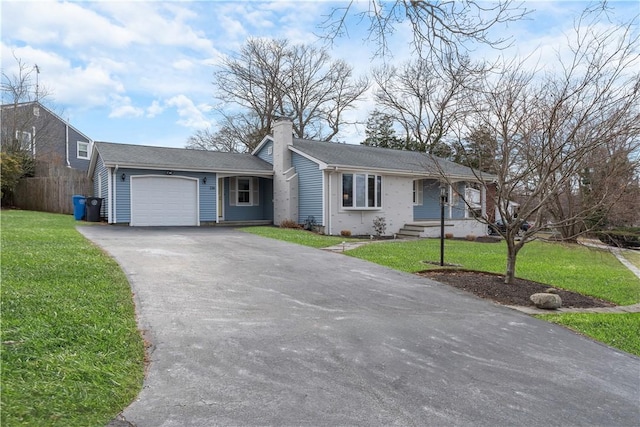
187,169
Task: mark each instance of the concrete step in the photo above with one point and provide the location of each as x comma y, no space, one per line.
409,233
410,227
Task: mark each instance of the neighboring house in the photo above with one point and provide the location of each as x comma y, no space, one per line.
340,186
33,128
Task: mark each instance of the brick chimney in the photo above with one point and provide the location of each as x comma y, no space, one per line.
285,178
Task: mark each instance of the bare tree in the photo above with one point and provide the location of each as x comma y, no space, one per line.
425,98
548,129
270,78
24,129
439,27
222,140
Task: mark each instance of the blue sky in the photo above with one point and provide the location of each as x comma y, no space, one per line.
141,72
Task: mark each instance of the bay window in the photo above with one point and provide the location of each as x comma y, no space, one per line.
361,191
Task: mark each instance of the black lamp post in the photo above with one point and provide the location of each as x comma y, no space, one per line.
443,195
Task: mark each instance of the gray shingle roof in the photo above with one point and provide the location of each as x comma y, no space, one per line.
383,159
143,156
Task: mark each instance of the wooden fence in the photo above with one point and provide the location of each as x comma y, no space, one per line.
52,189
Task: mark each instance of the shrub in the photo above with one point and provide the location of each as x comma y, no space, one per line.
380,225
628,237
289,223
448,235
345,233
471,237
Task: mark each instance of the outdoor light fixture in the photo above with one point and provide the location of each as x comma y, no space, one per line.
123,177
204,180
443,195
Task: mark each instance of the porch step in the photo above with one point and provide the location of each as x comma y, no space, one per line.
410,230
407,233
415,229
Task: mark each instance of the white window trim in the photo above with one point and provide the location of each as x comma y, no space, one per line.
78,150
24,137
354,193
254,191
418,192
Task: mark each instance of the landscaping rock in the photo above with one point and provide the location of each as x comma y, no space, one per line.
546,301
551,291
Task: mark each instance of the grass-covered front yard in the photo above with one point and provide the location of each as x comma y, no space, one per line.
71,351
576,268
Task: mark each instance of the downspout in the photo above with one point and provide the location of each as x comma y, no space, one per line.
33,142
328,222
115,193
109,205
66,127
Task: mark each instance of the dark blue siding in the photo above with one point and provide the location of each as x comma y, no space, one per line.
74,161
309,188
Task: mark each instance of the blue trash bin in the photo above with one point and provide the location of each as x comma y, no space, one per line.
78,207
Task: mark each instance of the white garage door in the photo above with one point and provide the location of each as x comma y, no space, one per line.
160,200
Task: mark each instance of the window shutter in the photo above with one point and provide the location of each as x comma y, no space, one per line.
233,195
419,190
255,197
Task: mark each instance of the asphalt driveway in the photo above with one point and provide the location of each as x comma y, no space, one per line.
252,331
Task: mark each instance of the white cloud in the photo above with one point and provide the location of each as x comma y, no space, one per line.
191,115
154,109
121,108
183,65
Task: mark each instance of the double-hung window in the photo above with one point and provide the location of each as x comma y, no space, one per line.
83,150
24,139
244,191
361,191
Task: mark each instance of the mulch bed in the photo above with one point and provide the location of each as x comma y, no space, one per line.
491,286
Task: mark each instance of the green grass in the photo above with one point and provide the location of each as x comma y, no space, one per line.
621,331
632,256
301,237
71,351
572,267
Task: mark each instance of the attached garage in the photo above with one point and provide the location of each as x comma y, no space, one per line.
164,201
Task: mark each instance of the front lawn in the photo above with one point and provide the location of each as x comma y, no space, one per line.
71,351
619,330
632,256
301,237
576,268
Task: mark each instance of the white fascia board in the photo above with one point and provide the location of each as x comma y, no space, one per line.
417,174
347,168
320,163
262,143
187,169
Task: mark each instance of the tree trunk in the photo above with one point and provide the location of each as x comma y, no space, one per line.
512,252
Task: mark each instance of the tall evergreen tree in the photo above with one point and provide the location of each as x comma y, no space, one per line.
380,131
